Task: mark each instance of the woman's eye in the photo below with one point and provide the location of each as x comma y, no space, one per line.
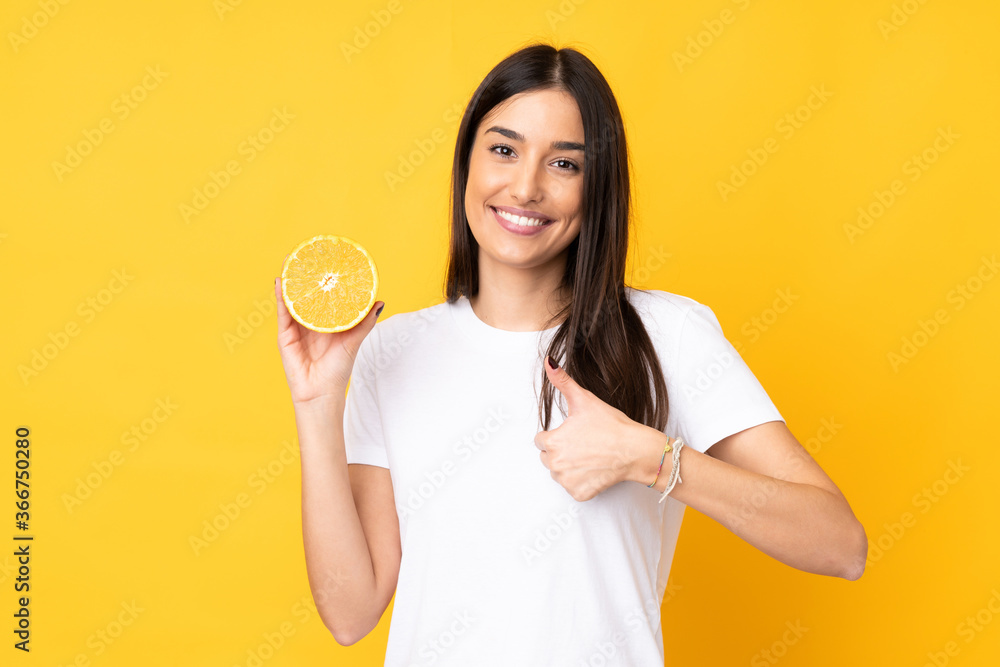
507,153
502,147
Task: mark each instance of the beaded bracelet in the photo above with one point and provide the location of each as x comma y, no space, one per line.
665,450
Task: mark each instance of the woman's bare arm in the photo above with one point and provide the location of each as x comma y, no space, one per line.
349,525
764,486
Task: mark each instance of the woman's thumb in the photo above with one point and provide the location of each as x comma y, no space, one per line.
365,326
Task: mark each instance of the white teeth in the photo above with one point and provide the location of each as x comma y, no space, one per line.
519,219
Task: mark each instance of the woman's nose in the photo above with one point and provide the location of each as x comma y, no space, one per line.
526,183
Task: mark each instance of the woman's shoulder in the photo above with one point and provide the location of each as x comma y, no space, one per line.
665,308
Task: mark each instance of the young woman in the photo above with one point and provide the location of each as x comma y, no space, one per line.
510,534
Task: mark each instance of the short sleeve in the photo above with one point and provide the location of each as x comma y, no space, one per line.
712,391
363,437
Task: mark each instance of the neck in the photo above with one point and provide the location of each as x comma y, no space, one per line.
519,300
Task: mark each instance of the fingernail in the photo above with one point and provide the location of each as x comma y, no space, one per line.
552,364
379,311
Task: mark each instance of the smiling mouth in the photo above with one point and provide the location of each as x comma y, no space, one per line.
520,220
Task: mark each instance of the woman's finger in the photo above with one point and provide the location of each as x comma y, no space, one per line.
284,317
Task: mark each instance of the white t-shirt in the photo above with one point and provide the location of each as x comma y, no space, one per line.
500,565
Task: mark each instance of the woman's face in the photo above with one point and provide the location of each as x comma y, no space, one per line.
527,160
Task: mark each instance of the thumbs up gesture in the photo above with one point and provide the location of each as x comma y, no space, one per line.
594,447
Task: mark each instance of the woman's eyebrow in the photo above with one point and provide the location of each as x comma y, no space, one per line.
517,136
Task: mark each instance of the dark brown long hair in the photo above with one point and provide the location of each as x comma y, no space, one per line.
601,342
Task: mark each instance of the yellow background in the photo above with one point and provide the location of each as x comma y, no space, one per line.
193,322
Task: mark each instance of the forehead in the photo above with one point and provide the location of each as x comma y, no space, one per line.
545,111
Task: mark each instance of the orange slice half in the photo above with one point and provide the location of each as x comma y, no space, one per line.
329,283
